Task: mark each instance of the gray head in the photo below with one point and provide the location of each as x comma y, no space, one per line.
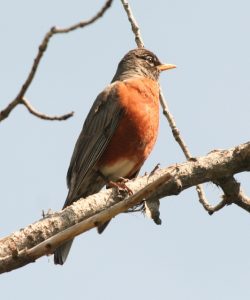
140,63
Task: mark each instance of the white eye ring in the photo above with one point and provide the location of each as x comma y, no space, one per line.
149,59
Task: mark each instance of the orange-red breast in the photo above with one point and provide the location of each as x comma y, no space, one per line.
119,131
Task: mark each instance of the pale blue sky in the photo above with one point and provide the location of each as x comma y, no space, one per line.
192,256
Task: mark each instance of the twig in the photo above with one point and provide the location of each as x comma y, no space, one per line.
43,116
172,124
176,133
233,192
166,112
208,207
42,48
134,25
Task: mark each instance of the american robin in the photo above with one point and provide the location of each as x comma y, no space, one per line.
118,133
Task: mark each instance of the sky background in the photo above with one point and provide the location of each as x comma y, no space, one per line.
192,255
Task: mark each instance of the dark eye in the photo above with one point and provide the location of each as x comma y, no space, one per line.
149,59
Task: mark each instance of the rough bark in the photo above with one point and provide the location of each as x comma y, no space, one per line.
43,236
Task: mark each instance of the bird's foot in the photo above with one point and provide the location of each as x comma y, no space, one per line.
121,185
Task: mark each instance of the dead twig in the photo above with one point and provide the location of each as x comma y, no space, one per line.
233,192
134,26
42,48
43,116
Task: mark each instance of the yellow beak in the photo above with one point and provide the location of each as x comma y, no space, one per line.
165,67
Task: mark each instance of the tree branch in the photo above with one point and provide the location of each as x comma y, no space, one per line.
43,237
42,48
233,192
43,116
134,26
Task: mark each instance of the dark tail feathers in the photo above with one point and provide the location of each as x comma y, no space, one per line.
61,253
102,227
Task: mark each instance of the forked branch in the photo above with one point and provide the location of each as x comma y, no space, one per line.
41,50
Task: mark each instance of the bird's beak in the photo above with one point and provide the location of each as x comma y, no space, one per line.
165,67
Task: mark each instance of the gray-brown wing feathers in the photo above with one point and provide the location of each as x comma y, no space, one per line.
96,133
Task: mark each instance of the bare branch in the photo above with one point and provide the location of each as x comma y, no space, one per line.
232,192
176,133
134,26
43,116
44,236
208,207
42,48
172,124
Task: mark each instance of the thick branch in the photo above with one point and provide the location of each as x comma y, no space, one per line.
42,48
42,237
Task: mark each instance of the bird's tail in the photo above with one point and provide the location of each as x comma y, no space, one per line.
61,253
102,227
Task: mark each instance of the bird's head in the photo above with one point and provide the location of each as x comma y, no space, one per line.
140,62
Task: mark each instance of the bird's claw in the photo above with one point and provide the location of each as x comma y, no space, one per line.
121,185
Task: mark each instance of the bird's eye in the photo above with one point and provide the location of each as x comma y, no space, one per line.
149,59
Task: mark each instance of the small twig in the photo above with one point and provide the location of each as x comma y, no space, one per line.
176,133
166,112
217,207
134,25
208,207
157,167
43,116
233,192
172,124
42,48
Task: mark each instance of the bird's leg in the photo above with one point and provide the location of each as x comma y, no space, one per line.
121,185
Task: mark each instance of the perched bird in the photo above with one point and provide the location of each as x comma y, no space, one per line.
118,133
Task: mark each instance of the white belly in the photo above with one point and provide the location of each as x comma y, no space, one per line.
119,169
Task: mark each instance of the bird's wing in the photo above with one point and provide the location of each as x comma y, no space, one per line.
96,133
